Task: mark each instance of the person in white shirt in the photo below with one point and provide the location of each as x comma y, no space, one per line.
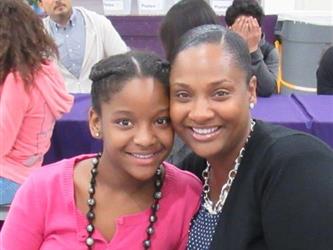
83,38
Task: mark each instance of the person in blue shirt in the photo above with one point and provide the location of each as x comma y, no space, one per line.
83,38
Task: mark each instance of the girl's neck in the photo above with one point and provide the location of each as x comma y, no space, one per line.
117,180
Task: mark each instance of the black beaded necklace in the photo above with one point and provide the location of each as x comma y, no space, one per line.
92,202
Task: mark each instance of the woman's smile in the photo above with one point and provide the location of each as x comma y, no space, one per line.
205,134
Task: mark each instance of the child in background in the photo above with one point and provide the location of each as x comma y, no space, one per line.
124,198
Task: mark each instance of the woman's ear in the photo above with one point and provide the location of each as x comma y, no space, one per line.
253,90
95,124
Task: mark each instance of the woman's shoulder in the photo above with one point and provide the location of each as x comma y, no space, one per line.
270,135
277,145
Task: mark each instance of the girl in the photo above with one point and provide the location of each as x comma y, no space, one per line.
124,198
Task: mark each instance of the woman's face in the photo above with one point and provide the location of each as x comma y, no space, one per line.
210,100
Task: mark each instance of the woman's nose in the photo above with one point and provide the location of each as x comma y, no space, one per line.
200,111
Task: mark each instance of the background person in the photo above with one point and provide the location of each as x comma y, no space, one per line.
183,16
83,38
32,95
325,73
245,18
264,186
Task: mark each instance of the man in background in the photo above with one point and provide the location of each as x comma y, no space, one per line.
83,38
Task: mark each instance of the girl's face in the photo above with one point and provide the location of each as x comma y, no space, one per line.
210,100
135,127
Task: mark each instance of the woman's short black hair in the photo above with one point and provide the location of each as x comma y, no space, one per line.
110,75
244,7
183,16
230,41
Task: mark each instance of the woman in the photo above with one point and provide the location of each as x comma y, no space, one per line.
264,186
183,16
32,94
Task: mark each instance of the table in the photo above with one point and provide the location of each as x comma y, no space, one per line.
308,113
282,110
319,110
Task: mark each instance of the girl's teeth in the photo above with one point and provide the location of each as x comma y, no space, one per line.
141,156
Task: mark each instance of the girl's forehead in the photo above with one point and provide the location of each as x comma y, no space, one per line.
141,86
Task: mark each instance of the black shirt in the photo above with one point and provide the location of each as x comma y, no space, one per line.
282,196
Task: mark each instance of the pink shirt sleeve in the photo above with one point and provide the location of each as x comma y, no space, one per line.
13,107
24,225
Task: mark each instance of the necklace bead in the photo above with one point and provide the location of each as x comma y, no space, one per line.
150,230
91,202
90,228
90,241
146,244
157,195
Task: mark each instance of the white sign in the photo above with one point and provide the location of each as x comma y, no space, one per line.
150,5
221,5
112,5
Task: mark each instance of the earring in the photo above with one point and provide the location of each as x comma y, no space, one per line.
251,105
97,134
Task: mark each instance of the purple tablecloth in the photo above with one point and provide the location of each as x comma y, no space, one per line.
319,110
312,114
283,110
71,135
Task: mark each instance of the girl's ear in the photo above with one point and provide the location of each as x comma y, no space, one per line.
252,88
95,124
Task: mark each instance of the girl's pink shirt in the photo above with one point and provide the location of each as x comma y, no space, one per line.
44,216
27,119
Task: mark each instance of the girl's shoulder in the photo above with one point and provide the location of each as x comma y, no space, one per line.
181,180
58,172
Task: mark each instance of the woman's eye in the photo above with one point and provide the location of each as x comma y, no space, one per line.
124,123
221,92
182,95
163,121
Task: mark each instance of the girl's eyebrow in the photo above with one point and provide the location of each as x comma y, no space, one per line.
122,112
129,112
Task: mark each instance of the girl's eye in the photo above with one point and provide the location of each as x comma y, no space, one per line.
163,121
124,123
